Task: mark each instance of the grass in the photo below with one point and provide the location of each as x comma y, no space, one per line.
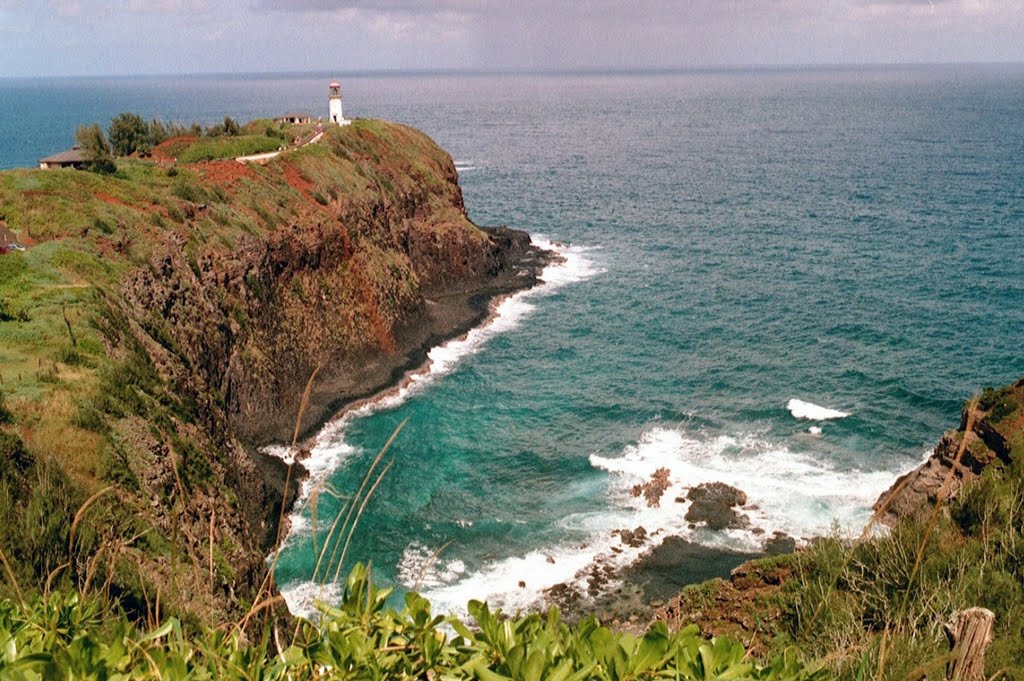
216,148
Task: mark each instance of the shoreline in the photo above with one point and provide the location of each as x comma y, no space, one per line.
524,274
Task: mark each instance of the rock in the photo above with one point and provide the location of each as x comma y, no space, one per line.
632,538
718,491
997,416
654,489
551,560
780,543
712,504
522,584
715,515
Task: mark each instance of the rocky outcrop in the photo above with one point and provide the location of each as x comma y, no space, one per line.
713,504
961,455
653,489
743,605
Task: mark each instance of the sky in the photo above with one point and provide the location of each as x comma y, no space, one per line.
129,37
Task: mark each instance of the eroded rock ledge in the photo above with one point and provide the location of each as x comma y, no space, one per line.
998,426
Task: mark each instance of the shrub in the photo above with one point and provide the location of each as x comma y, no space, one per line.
70,636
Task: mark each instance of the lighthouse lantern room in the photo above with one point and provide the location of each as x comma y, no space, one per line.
334,104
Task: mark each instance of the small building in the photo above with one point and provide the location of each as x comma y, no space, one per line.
294,118
72,158
334,104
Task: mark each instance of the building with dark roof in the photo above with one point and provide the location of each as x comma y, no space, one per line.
72,158
294,117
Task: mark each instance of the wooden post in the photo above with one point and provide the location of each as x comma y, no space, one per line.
969,632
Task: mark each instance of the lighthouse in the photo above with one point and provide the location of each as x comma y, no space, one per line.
334,104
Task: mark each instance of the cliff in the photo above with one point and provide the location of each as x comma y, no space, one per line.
988,439
164,322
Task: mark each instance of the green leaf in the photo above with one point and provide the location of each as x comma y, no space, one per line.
485,674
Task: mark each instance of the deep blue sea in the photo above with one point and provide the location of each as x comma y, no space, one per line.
849,238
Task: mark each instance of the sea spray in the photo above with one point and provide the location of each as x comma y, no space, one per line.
788,492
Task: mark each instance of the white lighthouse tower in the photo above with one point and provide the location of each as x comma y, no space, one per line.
334,104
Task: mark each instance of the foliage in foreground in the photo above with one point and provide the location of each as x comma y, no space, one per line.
68,636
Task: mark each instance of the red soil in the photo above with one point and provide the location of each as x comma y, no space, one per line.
107,198
168,149
296,181
223,172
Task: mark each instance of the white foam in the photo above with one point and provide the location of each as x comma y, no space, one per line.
302,597
814,430
421,568
813,412
330,450
793,493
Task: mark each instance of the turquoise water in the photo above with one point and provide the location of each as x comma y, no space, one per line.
850,238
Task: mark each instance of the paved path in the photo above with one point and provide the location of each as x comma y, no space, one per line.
262,158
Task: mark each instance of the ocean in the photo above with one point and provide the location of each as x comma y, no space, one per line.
786,280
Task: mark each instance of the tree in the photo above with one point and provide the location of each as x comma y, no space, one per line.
228,127
158,132
95,148
128,134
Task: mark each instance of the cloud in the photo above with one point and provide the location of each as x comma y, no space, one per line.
379,6
166,6
68,8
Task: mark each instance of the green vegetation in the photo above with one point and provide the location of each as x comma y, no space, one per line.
96,149
103,320
213,148
66,636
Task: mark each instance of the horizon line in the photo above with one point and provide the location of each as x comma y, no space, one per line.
537,71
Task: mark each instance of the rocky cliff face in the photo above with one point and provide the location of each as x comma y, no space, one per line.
235,285
988,438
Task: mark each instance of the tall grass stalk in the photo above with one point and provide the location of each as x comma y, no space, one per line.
359,515
258,602
351,508
930,527
876,518
13,580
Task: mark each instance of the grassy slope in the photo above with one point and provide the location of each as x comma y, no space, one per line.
89,229
863,607
86,401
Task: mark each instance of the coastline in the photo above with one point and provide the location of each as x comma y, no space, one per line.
455,315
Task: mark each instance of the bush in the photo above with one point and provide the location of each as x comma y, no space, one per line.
70,636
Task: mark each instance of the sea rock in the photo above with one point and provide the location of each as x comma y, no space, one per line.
712,504
960,456
653,489
632,538
718,491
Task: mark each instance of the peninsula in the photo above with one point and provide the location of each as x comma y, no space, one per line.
163,322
